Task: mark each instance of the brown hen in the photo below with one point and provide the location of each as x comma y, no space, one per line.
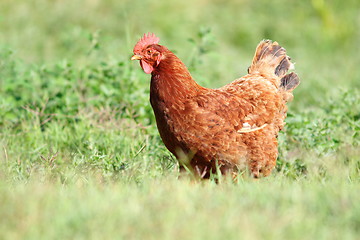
230,128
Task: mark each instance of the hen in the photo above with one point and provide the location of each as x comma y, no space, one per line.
228,129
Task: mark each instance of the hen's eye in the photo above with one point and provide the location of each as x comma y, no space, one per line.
149,52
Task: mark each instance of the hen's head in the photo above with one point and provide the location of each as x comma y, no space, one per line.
148,52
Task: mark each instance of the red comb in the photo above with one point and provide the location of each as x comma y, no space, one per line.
145,41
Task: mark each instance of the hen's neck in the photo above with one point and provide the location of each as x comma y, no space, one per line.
172,82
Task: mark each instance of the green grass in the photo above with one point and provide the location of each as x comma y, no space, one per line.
80,155
167,208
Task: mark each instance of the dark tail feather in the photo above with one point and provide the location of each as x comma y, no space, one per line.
290,81
284,66
270,58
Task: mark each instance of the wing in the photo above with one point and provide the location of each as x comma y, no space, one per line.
213,124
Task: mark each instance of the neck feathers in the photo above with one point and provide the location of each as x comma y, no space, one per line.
171,80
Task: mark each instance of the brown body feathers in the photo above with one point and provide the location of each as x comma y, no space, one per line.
233,127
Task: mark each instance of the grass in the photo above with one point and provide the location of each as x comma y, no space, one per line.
166,208
80,156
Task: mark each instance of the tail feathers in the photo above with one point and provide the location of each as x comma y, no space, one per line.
284,66
290,81
270,58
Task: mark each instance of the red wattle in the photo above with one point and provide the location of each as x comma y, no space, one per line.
146,67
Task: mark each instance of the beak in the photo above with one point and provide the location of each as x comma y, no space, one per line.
136,57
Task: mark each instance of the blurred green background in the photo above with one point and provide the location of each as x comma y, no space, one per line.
321,36
77,129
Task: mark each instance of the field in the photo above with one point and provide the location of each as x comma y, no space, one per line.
80,155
